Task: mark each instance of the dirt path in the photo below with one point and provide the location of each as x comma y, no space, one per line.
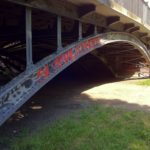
61,97
124,91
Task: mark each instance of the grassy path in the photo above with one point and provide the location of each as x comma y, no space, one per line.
95,128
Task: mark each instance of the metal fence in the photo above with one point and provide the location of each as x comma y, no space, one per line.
138,7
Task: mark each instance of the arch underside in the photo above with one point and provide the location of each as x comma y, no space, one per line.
119,51
123,59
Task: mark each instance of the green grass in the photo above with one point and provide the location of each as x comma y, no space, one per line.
144,82
95,128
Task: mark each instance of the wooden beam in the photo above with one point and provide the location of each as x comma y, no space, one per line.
118,26
112,19
58,7
143,34
86,9
128,26
134,29
95,19
85,13
143,37
148,39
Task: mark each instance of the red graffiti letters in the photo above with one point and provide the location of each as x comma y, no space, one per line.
43,72
67,57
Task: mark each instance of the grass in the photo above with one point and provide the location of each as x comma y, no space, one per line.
144,82
95,128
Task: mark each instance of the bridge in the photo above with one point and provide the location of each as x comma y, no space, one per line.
40,38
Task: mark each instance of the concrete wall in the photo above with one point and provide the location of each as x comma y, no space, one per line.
137,7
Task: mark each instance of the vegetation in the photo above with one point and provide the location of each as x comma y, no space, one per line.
145,82
95,128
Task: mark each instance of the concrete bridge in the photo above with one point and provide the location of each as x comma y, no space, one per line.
40,38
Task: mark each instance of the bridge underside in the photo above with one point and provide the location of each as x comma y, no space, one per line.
28,61
123,59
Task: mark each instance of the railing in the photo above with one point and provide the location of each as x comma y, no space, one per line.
138,7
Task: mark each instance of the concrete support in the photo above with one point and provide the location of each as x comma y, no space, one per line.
59,36
80,31
95,30
29,61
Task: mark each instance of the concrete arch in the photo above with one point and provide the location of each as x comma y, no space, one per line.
20,89
77,50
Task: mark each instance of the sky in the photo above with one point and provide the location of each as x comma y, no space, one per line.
148,1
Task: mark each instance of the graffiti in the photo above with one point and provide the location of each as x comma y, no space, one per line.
73,53
51,68
17,92
43,72
68,57
63,59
